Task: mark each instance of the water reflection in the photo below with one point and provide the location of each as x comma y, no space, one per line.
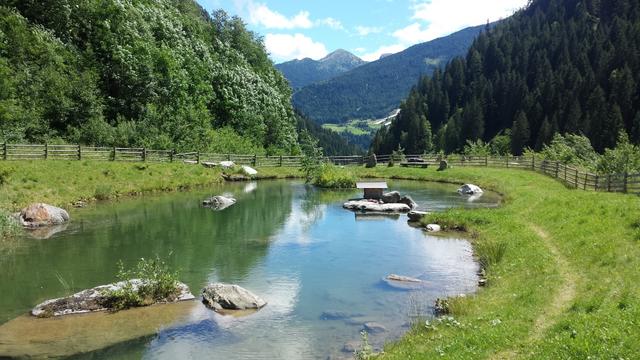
291,244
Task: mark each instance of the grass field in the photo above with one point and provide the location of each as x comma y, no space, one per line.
563,265
355,127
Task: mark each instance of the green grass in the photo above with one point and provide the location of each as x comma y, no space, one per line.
61,183
355,127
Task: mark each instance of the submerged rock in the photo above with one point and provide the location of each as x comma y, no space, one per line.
470,189
367,205
230,297
415,216
403,282
39,214
338,315
93,299
374,327
219,202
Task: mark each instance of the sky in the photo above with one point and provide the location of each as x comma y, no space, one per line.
296,29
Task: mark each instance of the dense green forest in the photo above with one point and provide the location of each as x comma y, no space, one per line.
154,73
307,71
558,66
331,142
375,89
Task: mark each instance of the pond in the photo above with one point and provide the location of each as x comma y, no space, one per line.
319,267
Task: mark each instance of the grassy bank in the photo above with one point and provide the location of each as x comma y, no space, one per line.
562,264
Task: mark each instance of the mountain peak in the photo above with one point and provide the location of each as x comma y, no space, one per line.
340,55
306,71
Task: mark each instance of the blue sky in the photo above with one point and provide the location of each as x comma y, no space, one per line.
295,29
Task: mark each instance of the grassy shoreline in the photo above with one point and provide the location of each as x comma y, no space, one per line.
563,285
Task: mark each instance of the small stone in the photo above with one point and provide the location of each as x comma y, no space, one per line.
433,228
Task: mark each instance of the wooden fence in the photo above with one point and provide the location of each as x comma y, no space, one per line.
572,176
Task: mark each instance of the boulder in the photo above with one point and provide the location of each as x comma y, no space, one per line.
227,164
374,327
219,202
470,189
415,216
249,170
366,205
444,165
433,228
93,299
230,297
407,200
39,214
372,161
392,197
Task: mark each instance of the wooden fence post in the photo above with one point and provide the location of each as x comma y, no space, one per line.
255,160
228,157
171,155
4,151
113,154
198,157
557,168
507,157
533,162
608,183
280,160
626,181
46,151
79,152
595,187
144,154
486,161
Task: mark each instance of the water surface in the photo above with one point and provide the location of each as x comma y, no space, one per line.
291,244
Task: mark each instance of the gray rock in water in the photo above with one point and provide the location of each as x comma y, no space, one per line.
230,297
93,299
403,282
219,202
366,205
415,216
39,214
352,346
374,327
470,189
407,200
338,315
444,165
392,197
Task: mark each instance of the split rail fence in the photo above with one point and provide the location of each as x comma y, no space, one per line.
570,175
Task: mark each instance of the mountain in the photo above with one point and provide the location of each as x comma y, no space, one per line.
303,72
161,74
558,66
375,89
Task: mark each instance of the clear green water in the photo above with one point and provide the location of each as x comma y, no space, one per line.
291,244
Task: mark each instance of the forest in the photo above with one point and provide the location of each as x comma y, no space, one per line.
155,73
556,67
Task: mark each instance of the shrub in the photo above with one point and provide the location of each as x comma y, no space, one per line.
8,226
312,155
158,283
102,192
477,148
625,158
333,177
4,177
571,149
490,252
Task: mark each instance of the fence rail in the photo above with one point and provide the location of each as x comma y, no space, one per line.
570,175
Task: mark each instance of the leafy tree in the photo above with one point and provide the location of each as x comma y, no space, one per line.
571,149
624,158
312,156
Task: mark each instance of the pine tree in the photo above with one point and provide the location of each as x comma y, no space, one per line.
544,135
520,134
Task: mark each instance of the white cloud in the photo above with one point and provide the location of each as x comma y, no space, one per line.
332,23
390,49
443,17
359,50
366,30
298,46
261,14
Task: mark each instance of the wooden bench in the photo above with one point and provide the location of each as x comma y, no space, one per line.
423,165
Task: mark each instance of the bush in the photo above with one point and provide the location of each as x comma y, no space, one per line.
158,283
8,226
102,192
333,177
571,149
625,158
490,252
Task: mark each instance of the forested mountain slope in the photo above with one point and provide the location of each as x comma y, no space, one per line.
567,66
155,73
331,142
304,72
373,90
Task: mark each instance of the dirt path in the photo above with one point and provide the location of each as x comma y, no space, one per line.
561,300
